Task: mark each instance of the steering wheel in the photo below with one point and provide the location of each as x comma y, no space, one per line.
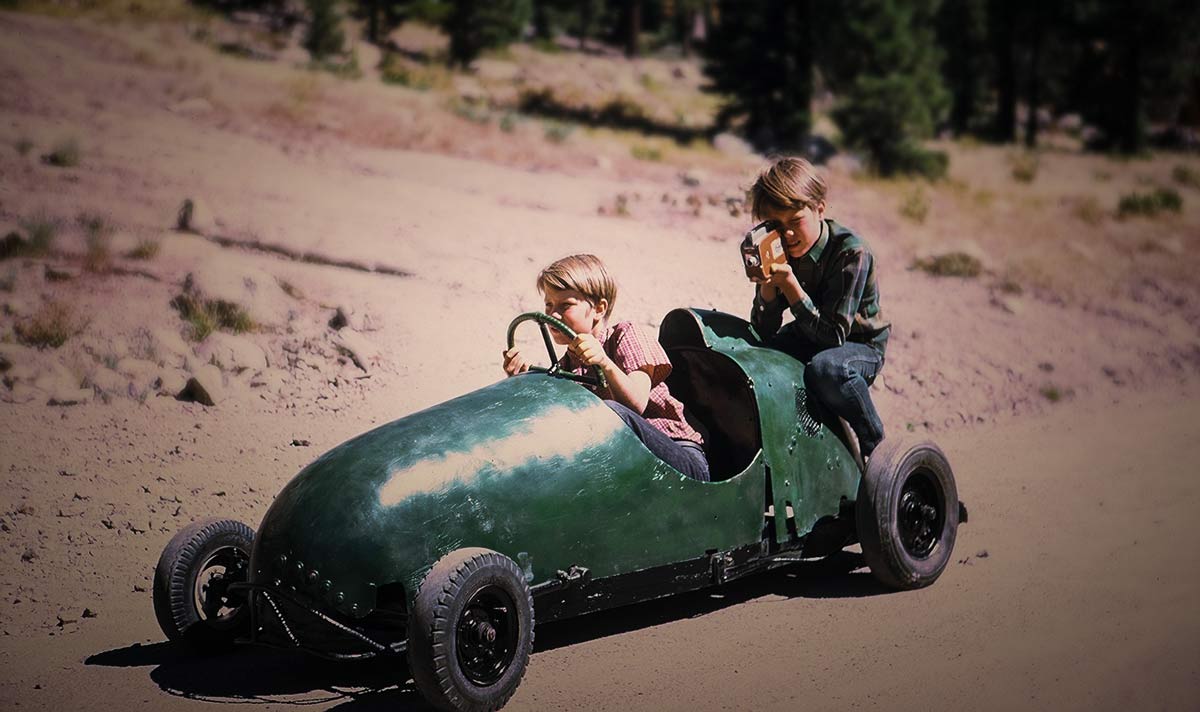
596,379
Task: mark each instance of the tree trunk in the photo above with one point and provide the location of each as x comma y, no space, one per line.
1035,55
633,28
1005,127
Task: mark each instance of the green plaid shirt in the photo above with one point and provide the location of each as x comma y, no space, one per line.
842,304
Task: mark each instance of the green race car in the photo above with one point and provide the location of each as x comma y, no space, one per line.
444,535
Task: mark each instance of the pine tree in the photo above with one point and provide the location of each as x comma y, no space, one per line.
476,25
886,73
324,38
759,54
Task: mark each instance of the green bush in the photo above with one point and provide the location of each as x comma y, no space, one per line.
40,233
477,25
1150,204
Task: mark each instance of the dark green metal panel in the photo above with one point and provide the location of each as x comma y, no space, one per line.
810,467
534,467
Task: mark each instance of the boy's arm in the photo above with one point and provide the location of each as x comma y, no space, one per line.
829,324
766,315
631,389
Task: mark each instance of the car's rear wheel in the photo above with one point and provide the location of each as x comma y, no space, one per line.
192,600
471,631
907,513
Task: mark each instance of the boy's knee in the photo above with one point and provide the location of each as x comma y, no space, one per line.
823,373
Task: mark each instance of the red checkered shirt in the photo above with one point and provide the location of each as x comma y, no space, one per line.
630,348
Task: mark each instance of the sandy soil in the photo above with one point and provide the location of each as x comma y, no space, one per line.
1065,409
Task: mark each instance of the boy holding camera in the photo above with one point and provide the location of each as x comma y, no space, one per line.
827,282
580,292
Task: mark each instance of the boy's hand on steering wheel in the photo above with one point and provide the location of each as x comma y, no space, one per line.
514,362
588,350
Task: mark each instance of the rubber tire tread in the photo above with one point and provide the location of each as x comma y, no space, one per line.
174,578
875,513
429,657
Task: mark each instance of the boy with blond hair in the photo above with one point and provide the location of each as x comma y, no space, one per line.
581,293
828,284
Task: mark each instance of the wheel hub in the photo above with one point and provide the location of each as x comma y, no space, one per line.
486,636
920,517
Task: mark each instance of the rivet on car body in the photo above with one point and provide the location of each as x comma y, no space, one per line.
300,567
354,608
313,575
339,598
283,558
327,585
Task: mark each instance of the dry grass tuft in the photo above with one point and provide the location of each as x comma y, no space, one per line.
915,205
50,327
146,249
206,316
951,264
98,232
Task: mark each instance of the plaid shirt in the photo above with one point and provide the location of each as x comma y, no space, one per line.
842,304
630,348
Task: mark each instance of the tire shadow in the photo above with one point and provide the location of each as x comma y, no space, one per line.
254,675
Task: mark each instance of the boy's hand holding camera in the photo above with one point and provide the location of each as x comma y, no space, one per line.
780,279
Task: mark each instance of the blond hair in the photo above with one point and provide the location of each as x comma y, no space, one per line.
585,274
789,184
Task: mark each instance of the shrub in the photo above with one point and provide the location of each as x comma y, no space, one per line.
65,154
97,237
398,71
1051,393
207,316
1150,204
558,132
915,205
1185,175
1088,210
951,264
1024,166
41,231
646,153
146,249
50,327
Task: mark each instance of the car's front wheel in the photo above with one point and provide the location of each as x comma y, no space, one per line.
192,600
907,513
471,631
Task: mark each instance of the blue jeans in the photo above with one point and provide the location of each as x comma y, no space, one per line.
684,455
840,378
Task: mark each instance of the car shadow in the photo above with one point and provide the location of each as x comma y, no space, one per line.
839,576
253,675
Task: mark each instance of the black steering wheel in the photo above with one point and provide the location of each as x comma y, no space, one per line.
596,379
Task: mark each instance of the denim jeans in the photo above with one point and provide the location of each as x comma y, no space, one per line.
683,455
840,378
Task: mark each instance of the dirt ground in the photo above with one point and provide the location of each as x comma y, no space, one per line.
1061,381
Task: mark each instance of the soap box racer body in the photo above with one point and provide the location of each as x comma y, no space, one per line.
441,534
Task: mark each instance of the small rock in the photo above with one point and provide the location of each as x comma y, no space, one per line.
171,380
11,244
300,443
88,613
29,554
195,216
360,350
692,177
194,106
107,380
982,554
339,320
206,386
1008,303
233,352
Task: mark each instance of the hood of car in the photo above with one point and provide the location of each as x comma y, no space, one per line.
362,513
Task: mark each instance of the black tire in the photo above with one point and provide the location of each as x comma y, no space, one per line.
190,597
907,513
470,633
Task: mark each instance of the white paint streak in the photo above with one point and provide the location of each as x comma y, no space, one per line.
557,433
